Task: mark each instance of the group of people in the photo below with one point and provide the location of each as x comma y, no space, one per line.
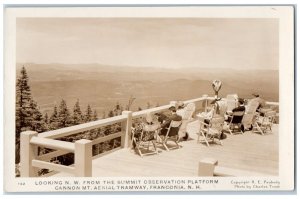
219,108
162,121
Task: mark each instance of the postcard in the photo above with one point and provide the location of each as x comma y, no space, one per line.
147,99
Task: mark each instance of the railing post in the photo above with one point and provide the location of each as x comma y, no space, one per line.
126,129
206,102
207,167
83,158
27,153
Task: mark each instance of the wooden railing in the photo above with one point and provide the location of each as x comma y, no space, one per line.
82,149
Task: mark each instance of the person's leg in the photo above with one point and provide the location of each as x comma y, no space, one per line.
186,136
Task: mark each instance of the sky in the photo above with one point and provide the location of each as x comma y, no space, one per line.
150,42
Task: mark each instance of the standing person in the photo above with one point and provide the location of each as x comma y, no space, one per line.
165,125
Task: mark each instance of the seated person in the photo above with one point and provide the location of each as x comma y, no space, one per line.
214,111
241,106
180,110
161,117
257,98
148,128
165,125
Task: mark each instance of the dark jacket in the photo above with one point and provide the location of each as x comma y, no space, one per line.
167,122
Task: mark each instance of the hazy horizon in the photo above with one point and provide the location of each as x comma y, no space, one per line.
142,67
150,42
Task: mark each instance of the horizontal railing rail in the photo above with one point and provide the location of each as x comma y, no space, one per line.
82,127
106,138
53,144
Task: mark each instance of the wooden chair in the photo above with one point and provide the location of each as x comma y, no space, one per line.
250,115
263,124
232,102
187,116
212,131
236,122
144,137
251,107
172,135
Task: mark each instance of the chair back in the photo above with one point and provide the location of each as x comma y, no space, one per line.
189,111
232,100
237,117
269,117
252,107
221,107
173,129
217,123
148,132
175,124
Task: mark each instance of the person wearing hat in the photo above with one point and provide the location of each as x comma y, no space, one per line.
173,117
257,98
241,106
180,110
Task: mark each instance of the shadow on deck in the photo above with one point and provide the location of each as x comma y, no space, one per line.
249,151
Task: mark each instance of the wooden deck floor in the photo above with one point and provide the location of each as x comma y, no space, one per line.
248,151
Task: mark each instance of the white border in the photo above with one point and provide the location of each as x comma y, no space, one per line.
286,61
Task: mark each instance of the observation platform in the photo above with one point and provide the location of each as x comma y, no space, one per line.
252,152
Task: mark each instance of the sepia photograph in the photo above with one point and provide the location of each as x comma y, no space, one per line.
149,99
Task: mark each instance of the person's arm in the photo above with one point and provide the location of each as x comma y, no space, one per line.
166,123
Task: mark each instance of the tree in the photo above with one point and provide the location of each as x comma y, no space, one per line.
23,100
95,116
46,122
53,121
64,117
28,116
88,114
46,118
110,114
118,109
148,105
130,102
77,117
36,121
103,115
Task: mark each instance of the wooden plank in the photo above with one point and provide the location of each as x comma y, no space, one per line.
52,166
106,153
106,138
151,110
251,152
53,144
49,156
82,127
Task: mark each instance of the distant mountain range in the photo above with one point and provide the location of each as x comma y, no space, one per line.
103,86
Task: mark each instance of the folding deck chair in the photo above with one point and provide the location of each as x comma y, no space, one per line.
250,115
187,116
212,131
263,124
231,102
172,135
143,139
236,122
